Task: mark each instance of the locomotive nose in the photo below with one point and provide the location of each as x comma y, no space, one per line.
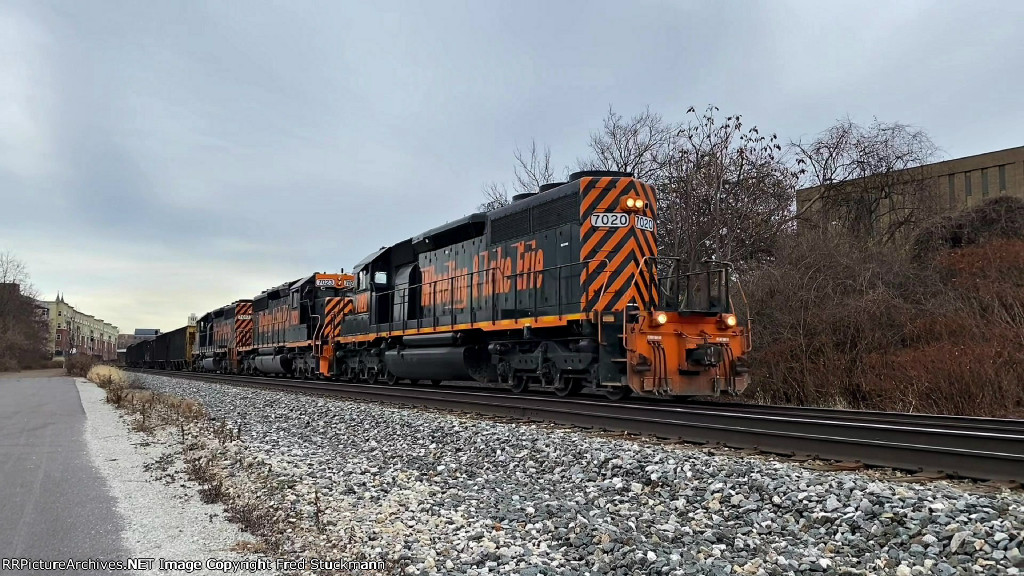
674,354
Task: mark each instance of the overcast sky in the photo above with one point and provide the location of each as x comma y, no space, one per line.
161,158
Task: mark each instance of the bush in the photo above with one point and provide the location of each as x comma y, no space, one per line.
79,365
840,323
8,364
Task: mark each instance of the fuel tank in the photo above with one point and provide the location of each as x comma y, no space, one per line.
211,364
447,363
274,364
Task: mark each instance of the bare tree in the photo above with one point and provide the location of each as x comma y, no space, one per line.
532,169
868,180
12,270
639,145
496,196
22,333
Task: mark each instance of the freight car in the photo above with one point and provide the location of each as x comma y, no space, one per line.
168,351
558,291
139,355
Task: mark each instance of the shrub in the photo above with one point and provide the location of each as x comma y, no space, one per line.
8,364
79,365
841,323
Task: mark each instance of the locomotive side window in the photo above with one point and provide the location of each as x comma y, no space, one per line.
363,280
380,278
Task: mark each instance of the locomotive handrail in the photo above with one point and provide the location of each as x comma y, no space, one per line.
725,280
316,334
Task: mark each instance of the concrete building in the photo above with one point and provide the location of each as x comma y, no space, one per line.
952,184
126,340
74,332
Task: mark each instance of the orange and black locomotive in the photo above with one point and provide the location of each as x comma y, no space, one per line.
557,291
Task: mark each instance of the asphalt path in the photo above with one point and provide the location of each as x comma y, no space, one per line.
54,504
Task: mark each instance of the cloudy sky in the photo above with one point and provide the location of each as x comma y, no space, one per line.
167,157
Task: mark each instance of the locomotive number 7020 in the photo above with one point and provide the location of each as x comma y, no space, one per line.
609,219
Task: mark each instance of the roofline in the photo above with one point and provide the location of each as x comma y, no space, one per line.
930,166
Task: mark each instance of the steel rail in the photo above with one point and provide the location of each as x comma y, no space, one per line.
975,448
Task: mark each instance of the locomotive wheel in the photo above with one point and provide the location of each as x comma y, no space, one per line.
520,384
436,382
390,378
618,393
566,387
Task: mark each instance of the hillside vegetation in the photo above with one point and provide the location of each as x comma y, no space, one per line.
936,325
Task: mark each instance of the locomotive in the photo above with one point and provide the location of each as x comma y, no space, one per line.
558,291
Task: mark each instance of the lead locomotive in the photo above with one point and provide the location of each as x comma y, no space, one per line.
557,291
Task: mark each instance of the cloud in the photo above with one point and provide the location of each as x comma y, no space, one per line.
158,159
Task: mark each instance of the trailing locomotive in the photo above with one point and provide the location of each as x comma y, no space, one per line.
291,323
558,291
222,334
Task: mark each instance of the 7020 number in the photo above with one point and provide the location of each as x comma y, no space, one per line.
609,219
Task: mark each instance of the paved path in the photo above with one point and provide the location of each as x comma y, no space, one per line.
54,504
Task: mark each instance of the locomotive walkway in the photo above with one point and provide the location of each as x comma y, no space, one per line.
53,502
957,447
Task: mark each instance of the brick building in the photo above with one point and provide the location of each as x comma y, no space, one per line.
950,185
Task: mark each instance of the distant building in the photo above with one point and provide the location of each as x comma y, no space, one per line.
74,332
126,340
951,185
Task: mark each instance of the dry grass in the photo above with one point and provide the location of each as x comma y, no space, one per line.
840,323
149,410
248,547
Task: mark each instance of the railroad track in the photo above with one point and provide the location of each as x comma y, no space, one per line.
957,447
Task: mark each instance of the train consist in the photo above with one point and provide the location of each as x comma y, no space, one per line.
557,291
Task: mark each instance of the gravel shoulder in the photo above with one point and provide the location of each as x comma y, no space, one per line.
435,493
163,515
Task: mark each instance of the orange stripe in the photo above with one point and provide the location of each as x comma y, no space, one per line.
539,322
628,272
616,193
593,194
628,249
615,238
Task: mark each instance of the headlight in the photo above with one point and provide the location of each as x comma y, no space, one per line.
630,202
660,318
729,320
639,204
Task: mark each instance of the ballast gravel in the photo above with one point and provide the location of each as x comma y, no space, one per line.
435,493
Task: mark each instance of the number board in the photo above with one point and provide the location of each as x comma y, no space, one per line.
644,223
609,219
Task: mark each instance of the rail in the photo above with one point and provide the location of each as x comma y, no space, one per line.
975,448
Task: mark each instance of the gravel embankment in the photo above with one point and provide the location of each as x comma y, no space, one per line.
162,520
435,493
